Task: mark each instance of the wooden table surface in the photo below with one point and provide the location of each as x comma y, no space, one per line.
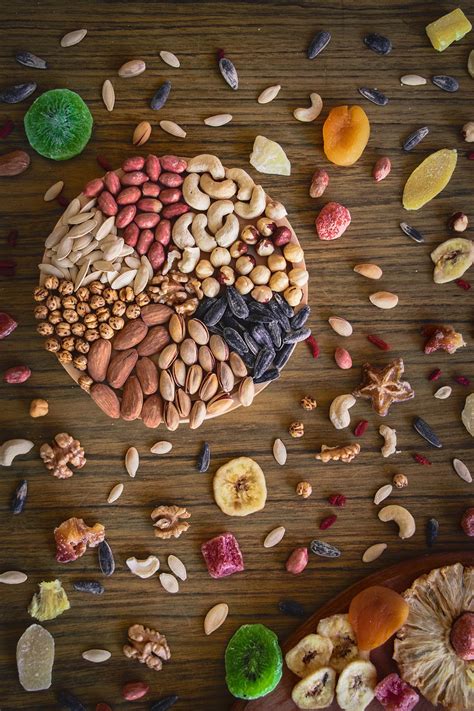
267,42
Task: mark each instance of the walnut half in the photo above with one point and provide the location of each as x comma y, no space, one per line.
147,646
64,450
168,521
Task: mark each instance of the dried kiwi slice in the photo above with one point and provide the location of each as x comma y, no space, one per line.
253,662
58,124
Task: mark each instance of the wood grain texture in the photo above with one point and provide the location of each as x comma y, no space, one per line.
267,42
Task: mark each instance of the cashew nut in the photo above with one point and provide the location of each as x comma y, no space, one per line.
275,210
402,517
229,231
339,411
171,257
182,237
189,260
193,195
144,568
390,437
244,182
204,240
218,189
313,112
254,208
12,448
217,212
207,163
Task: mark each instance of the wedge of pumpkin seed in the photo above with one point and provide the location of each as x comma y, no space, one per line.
216,617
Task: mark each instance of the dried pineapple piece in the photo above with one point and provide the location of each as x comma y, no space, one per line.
429,178
50,602
269,157
448,29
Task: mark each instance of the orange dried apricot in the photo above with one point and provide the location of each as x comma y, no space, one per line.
345,134
376,614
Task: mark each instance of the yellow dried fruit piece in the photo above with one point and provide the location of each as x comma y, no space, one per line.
429,178
448,29
269,157
35,658
50,602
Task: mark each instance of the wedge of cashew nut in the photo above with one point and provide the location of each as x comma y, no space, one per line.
254,208
390,437
217,212
244,182
229,231
339,411
204,240
181,235
217,189
275,210
193,195
145,567
189,259
313,112
207,163
12,448
172,256
402,517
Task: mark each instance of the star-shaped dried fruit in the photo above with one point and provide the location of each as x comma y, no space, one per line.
442,338
383,386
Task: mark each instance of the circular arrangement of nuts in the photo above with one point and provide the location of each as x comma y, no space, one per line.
172,290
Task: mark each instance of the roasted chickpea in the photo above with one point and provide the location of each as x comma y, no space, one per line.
97,302
132,311
260,275
53,303
142,299
276,263
78,329
40,293
55,317
119,308
66,287
262,294
110,295
80,362
204,269
41,312
45,329
127,294
293,295
245,264
220,256
210,287
244,285
65,357
70,315
279,281
96,287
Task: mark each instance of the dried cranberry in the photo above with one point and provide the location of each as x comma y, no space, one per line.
338,500
378,342
462,380
312,343
328,522
360,428
435,375
421,459
463,284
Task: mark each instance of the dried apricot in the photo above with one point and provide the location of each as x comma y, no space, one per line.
345,134
376,614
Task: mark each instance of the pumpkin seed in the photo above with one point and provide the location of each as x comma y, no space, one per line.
161,96
30,60
415,138
384,299
115,493
96,655
106,558
170,59
218,120
169,583
373,95
18,92
132,461
274,537
373,552
161,447
382,493
470,63
462,471
216,617
173,129
340,326
13,577
132,68
108,95
72,38
319,42
443,393
446,83
279,452
268,94
177,567
412,80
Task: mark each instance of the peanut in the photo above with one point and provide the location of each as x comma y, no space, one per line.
297,561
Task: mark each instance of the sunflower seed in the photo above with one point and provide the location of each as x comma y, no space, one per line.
382,493
169,583
301,317
291,607
218,120
373,552
378,43
18,92
161,96
161,447
19,498
204,458
297,336
274,537
216,617
96,655
412,80
170,59
216,311
318,43
261,336
13,577
283,356
326,550
106,558
165,703
446,83
425,431
115,493
229,73
177,567
263,361
72,38
462,471
443,393
373,95
108,95
237,303
415,138
30,60
275,334
412,232
267,376
432,530
279,452
89,586
268,94
53,191
70,701
283,306
173,129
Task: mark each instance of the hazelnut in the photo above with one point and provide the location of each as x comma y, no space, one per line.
55,317
260,275
142,299
265,247
304,489
308,403
96,287
51,283
97,302
119,308
210,287
293,253
244,285
53,303
245,264
237,249
85,382
249,234
293,295
45,329
52,344
220,256
80,362
70,315
116,323
127,294
281,236
106,331
41,312
39,408
262,294
458,222
400,481
226,276
83,293
204,269
468,131
78,329
279,281
296,429
132,311
276,263
266,226
298,277
65,357
110,295
40,293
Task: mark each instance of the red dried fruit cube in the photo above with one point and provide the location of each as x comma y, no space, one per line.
332,221
222,555
395,694
74,536
7,325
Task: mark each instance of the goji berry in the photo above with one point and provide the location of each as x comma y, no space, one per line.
6,128
463,284
462,380
103,162
360,428
435,375
328,522
378,342
312,343
12,238
338,500
421,459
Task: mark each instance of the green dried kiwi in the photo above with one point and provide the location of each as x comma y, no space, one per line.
253,662
58,124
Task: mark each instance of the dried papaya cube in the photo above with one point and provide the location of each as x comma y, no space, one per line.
448,29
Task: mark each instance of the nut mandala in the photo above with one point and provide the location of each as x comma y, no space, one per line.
171,288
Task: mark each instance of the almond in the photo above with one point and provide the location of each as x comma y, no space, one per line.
132,399
156,314
106,399
155,340
98,359
147,375
152,411
121,366
14,163
131,335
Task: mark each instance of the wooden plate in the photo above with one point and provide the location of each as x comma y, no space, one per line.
399,577
75,374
